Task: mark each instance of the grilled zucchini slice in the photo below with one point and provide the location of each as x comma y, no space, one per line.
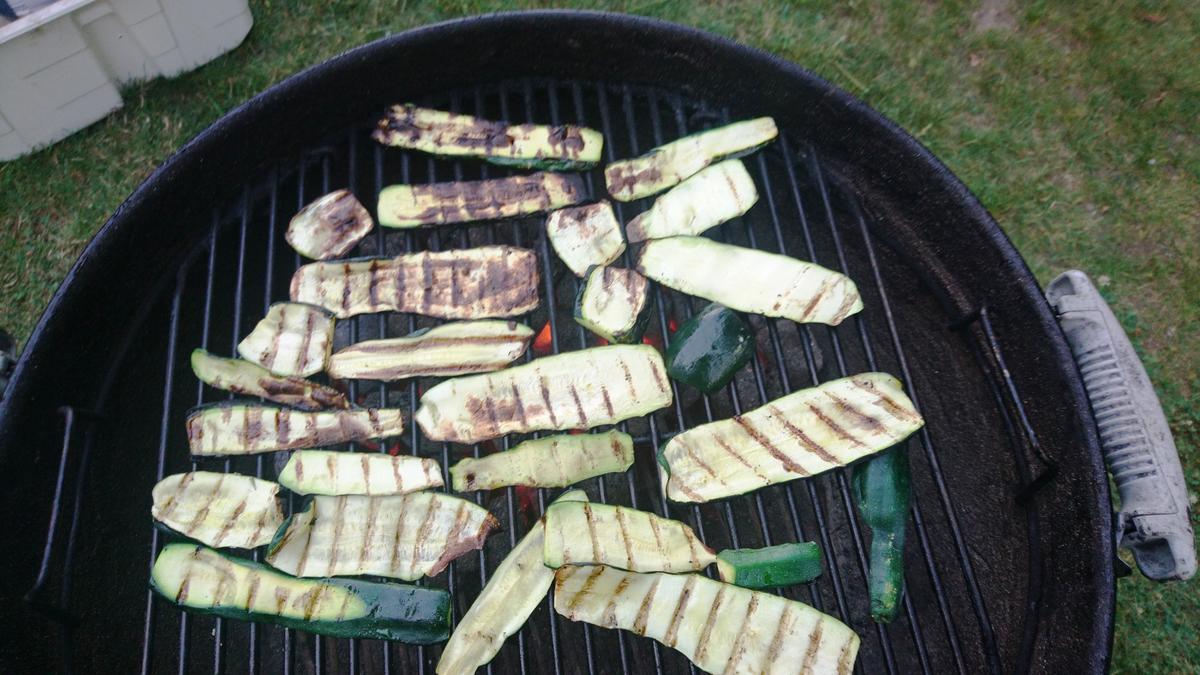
716,194
602,534
244,429
467,201
400,536
293,339
442,351
324,472
203,581
799,435
584,236
552,461
720,628
474,283
243,377
667,165
527,146
579,390
766,283
614,303
218,509
329,226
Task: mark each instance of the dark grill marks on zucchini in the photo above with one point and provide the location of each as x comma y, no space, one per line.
244,377
293,339
620,537
450,349
552,461
235,428
467,201
804,439
218,509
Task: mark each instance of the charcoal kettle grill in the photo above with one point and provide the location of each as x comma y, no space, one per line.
1010,563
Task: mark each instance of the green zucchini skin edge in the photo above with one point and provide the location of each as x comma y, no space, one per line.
709,348
770,567
631,336
882,492
540,164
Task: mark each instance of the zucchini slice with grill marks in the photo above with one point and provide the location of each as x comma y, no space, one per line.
719,627
527,146
442,351
201,580
325,472
467,201
614,303
400,536
711,197
293,339
234,428
587,235
474,283
219,509
243,377
329,226
603,534
516,588
579,390
552,461
799,435
665,166
750,280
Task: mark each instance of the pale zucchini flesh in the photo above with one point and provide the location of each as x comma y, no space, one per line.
551,461
246,429
711,197
614,303
584,236
443,351
251,379
329,227
474,283
796,436
629,539
719,627
468,201
218,509
750,280
293,339
399,536
667,165
325,472
516,588
578,390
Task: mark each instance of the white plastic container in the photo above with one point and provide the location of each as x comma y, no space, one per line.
60,67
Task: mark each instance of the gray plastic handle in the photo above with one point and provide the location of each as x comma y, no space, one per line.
1153,521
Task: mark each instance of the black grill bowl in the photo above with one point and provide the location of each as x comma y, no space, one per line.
1009,564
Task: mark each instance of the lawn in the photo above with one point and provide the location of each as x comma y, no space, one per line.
1076,123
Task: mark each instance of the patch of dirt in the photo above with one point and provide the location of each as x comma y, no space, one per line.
994,15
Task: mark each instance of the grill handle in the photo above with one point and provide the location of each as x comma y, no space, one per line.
1153,521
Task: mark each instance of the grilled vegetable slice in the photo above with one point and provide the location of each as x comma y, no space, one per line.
323,472
243,377
801,434
711,197
579,390
721,628
451,349
773,566
245,429
614,304
292,339
505,603
218,509
527,146
202,580
474,283
602,534
709,348
881,489
750,280
587,235
329,226
553,461
400,536
467,201
667,165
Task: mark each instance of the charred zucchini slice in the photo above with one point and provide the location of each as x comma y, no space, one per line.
527,146
603,534
201,580
442,351
711,197
218,509
667,165
709,348
293,339
614,303
243,377
552,461
244,429
584,236
770,567
400,536
474,283
579,390
329,227
799,435
750,280
468,201
324,472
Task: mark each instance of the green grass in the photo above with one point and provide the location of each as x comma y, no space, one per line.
1077,124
